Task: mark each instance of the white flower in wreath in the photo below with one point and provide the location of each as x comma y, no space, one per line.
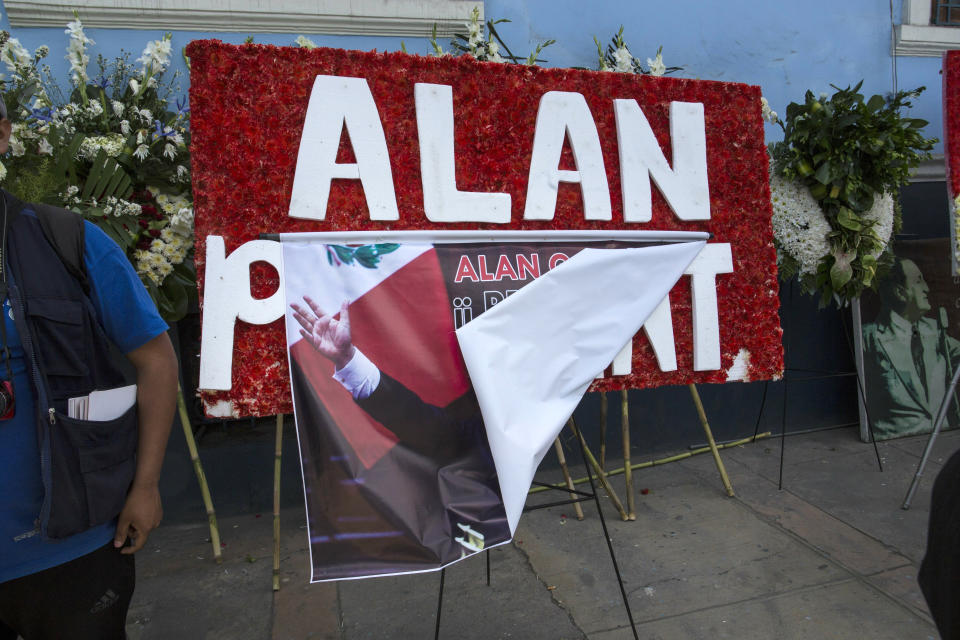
768,114
493,52
798,223
44,148
656,66
13,53
305,43
882,214
156,56
141,152
623,60
17,147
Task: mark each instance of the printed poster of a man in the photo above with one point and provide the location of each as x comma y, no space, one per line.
910,348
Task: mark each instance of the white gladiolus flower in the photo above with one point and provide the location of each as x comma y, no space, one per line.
141,152
156,56
77,52
169,151
493,52
657,68
13,54
117,107
768,114
134,85
125,127
145,115
623,60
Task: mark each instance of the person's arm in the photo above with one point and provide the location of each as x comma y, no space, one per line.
156,365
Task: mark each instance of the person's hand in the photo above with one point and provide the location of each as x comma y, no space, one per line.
328,335
141,514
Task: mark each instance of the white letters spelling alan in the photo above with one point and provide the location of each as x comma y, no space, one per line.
338,102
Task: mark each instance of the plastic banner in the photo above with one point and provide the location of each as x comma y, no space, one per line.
430,375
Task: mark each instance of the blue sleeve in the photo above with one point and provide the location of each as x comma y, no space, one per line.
122,303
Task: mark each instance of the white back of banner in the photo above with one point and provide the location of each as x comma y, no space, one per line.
533,355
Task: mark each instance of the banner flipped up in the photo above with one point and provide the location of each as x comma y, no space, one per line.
431,372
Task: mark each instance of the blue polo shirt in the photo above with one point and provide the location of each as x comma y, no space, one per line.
130,319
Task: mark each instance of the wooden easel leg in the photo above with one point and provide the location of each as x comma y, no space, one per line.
603,430
601,475
710,441
566,477
627,471
278,452
201,477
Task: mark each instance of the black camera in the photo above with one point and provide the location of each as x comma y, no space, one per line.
6,400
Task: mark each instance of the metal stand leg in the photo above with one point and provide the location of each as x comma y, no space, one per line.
436,633
606,534
487,552
941,416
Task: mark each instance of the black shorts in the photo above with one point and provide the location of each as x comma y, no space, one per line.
86,598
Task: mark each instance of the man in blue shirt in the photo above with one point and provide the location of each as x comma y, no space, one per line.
80,586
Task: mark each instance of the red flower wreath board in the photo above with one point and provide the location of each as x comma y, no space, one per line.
248,105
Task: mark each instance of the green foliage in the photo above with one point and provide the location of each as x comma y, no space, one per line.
849,151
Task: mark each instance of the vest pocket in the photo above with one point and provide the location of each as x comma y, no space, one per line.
58,335
96,464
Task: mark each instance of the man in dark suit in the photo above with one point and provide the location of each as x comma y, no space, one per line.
908,357
438,483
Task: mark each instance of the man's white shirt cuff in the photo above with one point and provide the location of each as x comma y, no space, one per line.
359,376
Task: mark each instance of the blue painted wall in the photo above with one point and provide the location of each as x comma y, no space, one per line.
786,48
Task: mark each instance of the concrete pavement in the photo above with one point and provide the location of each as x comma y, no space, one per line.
832,555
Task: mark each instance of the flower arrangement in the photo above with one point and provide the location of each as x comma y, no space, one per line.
833,182
236,83
114,149
618,58
485,49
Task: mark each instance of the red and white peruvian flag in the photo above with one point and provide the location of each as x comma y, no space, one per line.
477,347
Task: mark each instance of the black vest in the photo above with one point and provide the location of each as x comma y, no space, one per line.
86,466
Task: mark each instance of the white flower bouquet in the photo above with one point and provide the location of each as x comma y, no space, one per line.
115,150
